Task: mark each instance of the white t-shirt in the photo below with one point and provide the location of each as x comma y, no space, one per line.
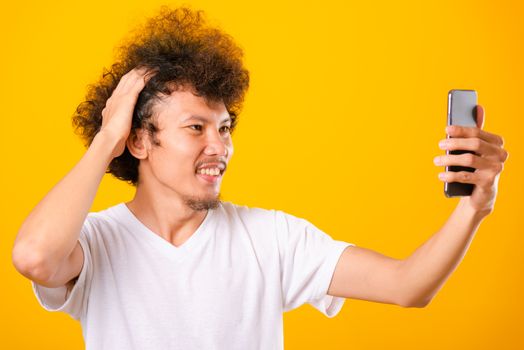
226,287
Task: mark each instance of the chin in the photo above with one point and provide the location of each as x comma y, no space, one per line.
206,202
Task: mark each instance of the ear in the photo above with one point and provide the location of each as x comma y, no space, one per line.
137,143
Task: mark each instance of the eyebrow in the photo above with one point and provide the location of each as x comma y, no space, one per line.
202,119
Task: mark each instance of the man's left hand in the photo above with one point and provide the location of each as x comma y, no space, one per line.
488,160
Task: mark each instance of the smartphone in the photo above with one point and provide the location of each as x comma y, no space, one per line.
462,110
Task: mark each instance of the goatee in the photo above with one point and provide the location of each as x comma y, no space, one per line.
202,203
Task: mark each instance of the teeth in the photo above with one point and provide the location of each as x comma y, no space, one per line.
209,171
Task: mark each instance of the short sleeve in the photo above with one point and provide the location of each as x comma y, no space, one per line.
308,260
74,304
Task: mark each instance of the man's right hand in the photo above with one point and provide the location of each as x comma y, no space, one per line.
118,113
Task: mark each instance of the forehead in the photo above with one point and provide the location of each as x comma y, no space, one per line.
183,106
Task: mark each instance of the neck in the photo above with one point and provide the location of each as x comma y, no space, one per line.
166,215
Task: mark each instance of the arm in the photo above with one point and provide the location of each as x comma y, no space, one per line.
414,281
46,249
367,275
49,235
426,270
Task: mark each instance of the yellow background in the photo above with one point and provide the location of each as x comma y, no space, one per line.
341,123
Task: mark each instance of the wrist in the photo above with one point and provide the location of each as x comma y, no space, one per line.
105,144
471,211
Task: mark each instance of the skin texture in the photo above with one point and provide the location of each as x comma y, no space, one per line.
170,198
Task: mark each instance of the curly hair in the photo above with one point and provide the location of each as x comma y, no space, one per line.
183,50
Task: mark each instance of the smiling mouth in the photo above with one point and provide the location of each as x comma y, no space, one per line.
210,178
210,171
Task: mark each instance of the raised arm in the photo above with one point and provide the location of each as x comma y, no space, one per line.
414,281
46,249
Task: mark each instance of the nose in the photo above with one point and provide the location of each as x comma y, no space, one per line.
217,144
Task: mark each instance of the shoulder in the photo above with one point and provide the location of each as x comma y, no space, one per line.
262,216
245,212
253,213
103,221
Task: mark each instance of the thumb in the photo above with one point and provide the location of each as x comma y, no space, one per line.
480,116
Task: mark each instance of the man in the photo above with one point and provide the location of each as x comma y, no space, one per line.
176,268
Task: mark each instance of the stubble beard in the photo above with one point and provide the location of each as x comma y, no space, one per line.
202,203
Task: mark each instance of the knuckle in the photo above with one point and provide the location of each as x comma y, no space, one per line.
465,176
501,141
477,144
469,158
505,155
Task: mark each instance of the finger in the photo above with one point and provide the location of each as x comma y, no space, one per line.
466,159
479,146
142,71
469,131
118,87
459,176
123,82
139,79
144,75
480,117
130,77
149,74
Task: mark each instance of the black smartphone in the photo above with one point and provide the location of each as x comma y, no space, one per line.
462,110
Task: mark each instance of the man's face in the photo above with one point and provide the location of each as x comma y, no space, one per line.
193,136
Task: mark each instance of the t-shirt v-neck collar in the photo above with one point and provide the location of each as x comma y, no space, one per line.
169,250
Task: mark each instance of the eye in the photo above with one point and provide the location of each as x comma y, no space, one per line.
200,126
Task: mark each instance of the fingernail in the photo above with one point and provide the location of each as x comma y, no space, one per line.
448,129
441,176
437,160
443,144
